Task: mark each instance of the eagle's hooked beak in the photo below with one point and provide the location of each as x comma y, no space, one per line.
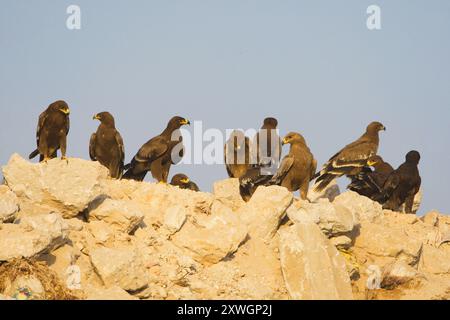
384,128
185,122
66,111
371,163
185,181
95,117
285,141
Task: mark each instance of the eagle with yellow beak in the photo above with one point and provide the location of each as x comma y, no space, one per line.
52,130
157,155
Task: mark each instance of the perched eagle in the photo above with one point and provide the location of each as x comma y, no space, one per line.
368,182
183,182
158,154
265,157
106,145
352,159
297,168
268,145
52,130
237,154
402,184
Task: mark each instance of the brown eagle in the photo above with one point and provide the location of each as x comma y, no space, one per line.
351,159
52,130
157,155
298,167
106,145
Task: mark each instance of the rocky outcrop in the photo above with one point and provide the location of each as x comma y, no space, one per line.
333,219
32,237
312,267
9,205
209,239
120,267
107,239
227,192
264,212
64,187
121,215
361,207
390,242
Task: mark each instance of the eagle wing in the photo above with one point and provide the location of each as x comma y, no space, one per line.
121,147
152,150
284,169
92,147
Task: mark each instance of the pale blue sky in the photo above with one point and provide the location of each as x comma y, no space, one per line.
312,64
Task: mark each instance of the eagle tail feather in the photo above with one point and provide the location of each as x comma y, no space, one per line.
325,181
34,154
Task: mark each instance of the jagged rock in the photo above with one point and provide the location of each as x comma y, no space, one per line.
341,242
111,293
265,210
299,215
33,236
332,219
66,262
101,231
160,197
435,260
312,267
121,215
196,245
396,274
50,224
65,187
9,205
75,224
361,207
431,218
330,193
392,241
121,267
209,239
154,292
174,218
227,192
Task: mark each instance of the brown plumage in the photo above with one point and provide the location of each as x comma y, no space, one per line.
158,154
298,167
106,145
351,159
402,184
251,180
52,130
237,154
368,182
265,157
268,146
183,182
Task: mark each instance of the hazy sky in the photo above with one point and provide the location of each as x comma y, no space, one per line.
312,64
